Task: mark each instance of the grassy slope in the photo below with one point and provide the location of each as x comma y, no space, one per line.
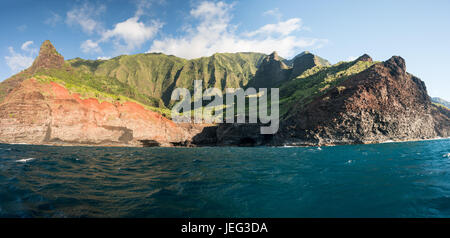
86,91
441,105
315,82
145,78
149,78
155,75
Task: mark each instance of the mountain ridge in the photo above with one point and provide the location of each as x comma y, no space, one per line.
81,101
441,101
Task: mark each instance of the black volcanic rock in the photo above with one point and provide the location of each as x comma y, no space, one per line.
379,104
396,64
382,103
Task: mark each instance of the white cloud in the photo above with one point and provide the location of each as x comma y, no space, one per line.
131,34
103,58
274,12
85,16
283,28
214,33
22,28
142,5
54,19
19,61
90,46
126,36
26,46
351,58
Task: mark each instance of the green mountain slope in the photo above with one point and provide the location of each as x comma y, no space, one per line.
150,78
315,82
156,75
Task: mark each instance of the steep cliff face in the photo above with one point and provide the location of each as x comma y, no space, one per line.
156,75
382,103
48,58
306,61
362,105
47,113
76,103
38,110
271,72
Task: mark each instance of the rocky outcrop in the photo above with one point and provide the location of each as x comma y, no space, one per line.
48,58
38,111
306,61
271,72
382,103
232,135
365,57
47,113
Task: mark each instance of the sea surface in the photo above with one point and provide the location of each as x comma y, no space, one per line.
410,179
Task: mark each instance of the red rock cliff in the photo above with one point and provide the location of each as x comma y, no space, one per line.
35,112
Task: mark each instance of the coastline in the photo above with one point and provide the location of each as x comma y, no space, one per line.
199,146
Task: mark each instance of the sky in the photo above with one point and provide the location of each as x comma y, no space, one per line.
419,31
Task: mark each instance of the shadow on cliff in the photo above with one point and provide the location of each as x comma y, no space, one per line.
245,135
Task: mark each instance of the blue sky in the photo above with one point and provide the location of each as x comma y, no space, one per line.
419,31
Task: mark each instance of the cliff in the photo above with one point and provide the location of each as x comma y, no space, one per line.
357,102
42,110
125,101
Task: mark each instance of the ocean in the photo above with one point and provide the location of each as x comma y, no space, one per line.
410,179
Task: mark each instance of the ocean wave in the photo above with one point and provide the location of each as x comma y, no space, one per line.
25,160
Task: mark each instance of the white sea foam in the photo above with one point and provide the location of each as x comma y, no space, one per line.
446,155
25,160
388,141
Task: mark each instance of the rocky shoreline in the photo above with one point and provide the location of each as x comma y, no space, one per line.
290,145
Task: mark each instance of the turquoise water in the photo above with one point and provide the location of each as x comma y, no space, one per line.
386,180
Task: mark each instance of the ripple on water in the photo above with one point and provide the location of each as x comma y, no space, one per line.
385,180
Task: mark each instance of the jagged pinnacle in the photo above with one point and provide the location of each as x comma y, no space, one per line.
48,57
274,56
365,57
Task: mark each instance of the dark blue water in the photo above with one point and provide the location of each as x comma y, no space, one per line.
385,180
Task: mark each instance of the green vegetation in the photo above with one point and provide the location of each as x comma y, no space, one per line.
86,91
108,85
317,81
149,79
156,74
441,106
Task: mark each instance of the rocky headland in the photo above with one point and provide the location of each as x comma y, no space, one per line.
125,101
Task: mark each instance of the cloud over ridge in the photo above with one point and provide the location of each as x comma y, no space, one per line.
214,33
